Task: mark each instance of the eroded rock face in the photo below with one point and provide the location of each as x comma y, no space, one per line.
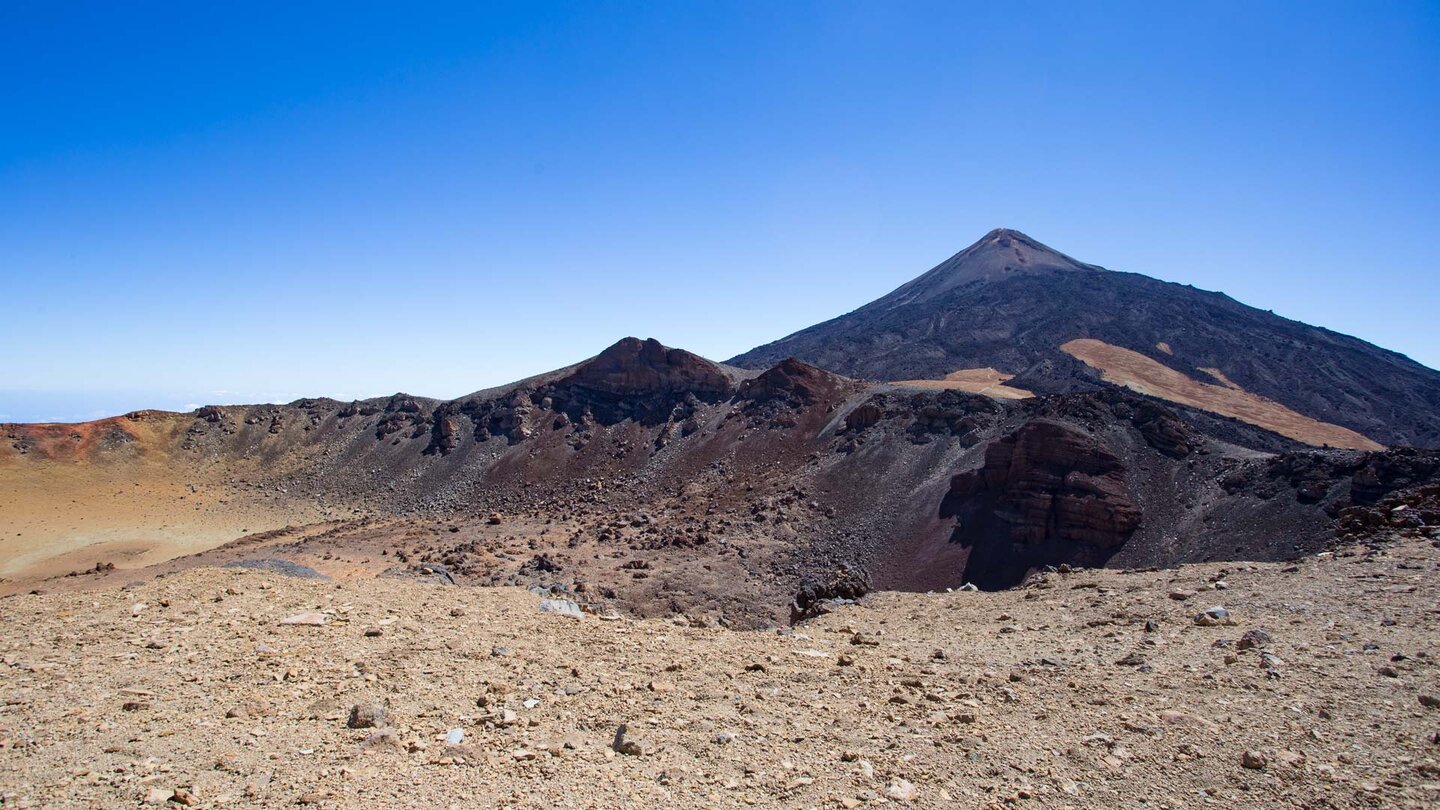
1045,495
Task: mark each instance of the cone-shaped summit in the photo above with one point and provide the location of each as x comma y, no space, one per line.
1012,304
1000,254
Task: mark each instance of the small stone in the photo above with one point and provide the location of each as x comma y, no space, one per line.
724,738
1270,662
385,738
1179,718
1253,760
1254,639
1430,701
845,660
624,744
158,796
1181,596
374,632
901,790
366,716
1213,616
562,607
455,737
184,798
1134,659
307,619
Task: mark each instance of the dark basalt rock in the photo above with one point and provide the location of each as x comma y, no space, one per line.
444,432
1165,431
1045,495
845,583
426,573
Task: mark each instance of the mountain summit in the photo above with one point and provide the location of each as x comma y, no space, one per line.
1000,254
1008,307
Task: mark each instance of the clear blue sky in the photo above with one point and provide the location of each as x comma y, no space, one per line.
253,202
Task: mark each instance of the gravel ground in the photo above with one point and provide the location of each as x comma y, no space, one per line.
188,690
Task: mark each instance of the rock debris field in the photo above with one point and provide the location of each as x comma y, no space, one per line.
1313,685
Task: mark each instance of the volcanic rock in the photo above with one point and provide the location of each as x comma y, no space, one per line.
1010,303
1045,495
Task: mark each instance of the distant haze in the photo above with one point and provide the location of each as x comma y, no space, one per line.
207,205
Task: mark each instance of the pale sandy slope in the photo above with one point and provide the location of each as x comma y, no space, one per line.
1013,699
1139,373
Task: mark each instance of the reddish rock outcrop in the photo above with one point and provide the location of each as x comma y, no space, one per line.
793,380
1045,495
635,367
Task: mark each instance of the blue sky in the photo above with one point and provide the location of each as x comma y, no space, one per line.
207,204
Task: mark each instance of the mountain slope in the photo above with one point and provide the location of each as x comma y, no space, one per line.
654,480
1011,304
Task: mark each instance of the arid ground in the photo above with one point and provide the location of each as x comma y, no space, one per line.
1318,688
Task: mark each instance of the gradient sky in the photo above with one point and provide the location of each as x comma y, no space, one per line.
265,201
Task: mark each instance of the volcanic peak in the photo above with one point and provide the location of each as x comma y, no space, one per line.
1000,254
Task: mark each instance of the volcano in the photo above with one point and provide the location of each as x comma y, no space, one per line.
1012,314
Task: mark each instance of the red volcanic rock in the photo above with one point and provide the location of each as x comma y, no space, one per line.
633,367
793,379
1054,482
1045,495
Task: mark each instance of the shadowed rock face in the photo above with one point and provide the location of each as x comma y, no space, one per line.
1045,495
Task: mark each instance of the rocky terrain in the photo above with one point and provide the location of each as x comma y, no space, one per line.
1012,305
1043,565
1312,684
651,480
